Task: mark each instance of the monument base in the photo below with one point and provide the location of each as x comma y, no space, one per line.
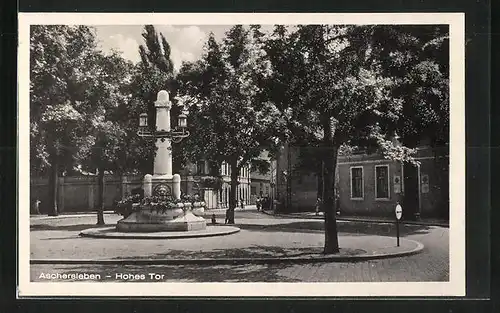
136,222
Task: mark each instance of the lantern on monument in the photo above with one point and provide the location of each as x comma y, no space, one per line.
183,120
163,105
143,120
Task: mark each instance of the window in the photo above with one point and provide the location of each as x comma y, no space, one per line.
382,182
212,169
201,167
357,182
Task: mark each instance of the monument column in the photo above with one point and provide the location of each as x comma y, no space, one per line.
163,158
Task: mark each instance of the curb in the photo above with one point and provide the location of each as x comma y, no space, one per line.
44,217
97,233
236,261
361,220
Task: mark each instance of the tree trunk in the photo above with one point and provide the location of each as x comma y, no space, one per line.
100,196
289,206
232,195
329,203
321,179
53,186
330,165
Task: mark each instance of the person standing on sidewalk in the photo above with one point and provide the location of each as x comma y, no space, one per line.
318,206
37,206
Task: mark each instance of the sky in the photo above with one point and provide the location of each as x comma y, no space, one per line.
186,41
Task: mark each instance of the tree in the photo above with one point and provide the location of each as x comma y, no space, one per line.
59,56
154,72
330,94
417,59
230,121
106,128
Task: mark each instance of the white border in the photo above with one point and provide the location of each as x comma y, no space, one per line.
456,285
362,182
388,183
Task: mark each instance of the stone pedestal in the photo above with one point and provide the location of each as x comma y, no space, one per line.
182,218
147,185
176,186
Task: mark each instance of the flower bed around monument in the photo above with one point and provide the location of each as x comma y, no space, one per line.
158,204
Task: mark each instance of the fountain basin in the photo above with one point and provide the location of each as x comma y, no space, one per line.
149,219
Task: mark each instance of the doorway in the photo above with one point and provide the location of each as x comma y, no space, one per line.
411,200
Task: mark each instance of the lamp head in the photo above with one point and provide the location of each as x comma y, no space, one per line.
182,120
143,120
162,96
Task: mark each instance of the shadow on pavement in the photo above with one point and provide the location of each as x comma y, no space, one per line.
253,252
77,227
352,228
247,252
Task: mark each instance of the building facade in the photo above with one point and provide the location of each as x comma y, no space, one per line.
263,185
243,188
194,174
369,185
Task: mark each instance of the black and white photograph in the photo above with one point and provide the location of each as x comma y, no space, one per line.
241,155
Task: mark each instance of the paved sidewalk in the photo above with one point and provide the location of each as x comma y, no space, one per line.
51,238
259,238
368,219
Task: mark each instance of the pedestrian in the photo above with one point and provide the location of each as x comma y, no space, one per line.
242,203
258,203
318,206
265,203
227,217
37,206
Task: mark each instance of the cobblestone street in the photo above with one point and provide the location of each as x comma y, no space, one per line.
54,238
